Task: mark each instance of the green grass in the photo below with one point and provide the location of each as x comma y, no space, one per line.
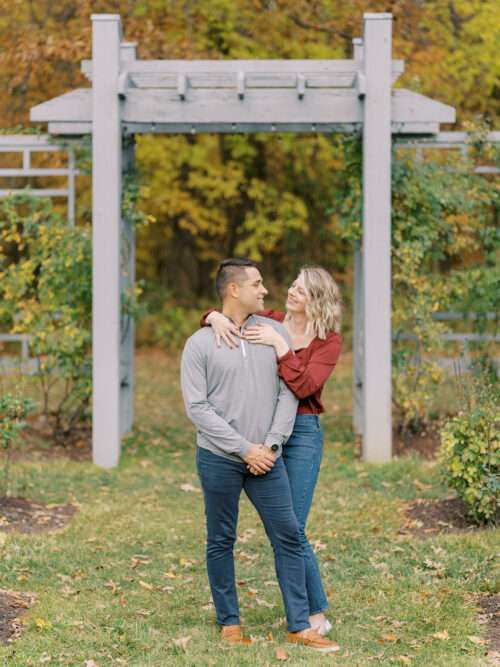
127,576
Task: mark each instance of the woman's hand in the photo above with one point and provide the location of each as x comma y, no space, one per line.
224,329
265,334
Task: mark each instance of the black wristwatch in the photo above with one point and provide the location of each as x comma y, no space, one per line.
274,448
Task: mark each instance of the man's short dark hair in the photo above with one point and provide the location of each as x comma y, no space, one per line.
232,270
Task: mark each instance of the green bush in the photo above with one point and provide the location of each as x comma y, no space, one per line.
168,328
13,410
46,293
470,452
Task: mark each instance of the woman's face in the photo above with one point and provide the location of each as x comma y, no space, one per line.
297,296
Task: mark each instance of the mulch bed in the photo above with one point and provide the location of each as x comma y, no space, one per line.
425,518
12,606
489,616
37,442
425,443
25,516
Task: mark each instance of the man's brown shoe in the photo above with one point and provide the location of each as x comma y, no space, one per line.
312,639
233,635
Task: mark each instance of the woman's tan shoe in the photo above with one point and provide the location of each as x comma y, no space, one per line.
312,639
233,635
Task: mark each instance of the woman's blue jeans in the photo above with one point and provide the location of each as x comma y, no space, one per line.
302,456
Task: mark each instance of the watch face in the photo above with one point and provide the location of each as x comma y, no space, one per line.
274,448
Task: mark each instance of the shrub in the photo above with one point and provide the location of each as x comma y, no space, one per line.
46,293
470,451
444,254
169,327
13,410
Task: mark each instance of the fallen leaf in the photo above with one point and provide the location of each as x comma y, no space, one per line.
190,487
148,587
389,638
477,640
264,603
182,642
281,655
169,575
317,545
441,635
404,659
45,657
42,624
270,637
421,486
91,663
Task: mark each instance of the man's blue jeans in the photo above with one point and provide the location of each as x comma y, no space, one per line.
222,481
302,456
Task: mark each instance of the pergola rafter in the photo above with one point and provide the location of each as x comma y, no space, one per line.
131,96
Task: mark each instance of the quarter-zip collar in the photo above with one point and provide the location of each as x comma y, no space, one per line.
248,322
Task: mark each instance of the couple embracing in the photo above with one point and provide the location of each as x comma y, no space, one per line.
252,381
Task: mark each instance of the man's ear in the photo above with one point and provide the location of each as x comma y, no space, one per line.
232,290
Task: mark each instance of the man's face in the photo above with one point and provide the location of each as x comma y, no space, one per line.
251,291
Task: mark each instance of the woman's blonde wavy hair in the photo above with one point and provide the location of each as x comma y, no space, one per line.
324,302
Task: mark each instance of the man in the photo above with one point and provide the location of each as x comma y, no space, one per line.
244,414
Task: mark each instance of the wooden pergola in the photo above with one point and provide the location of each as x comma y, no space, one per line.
130,96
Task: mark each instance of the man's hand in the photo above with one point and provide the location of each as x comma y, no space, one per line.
259,459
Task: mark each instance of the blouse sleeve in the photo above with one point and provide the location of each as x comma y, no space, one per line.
272,314
277,315
203,322
306,379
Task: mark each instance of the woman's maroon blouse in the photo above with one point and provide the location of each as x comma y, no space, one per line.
305,370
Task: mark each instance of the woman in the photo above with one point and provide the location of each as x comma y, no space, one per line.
313,319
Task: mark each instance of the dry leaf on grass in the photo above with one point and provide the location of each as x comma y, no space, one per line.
477,640
441,635
404,659
182,642
389,638
190,487
264,603
421,486
148,587
281,655
91,663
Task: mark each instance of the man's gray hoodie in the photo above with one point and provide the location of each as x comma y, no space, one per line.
234,396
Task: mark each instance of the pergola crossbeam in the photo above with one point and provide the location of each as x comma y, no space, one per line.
275,107
230,68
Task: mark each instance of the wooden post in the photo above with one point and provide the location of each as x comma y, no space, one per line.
358,404
357,316
377,428
127,339
106,217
